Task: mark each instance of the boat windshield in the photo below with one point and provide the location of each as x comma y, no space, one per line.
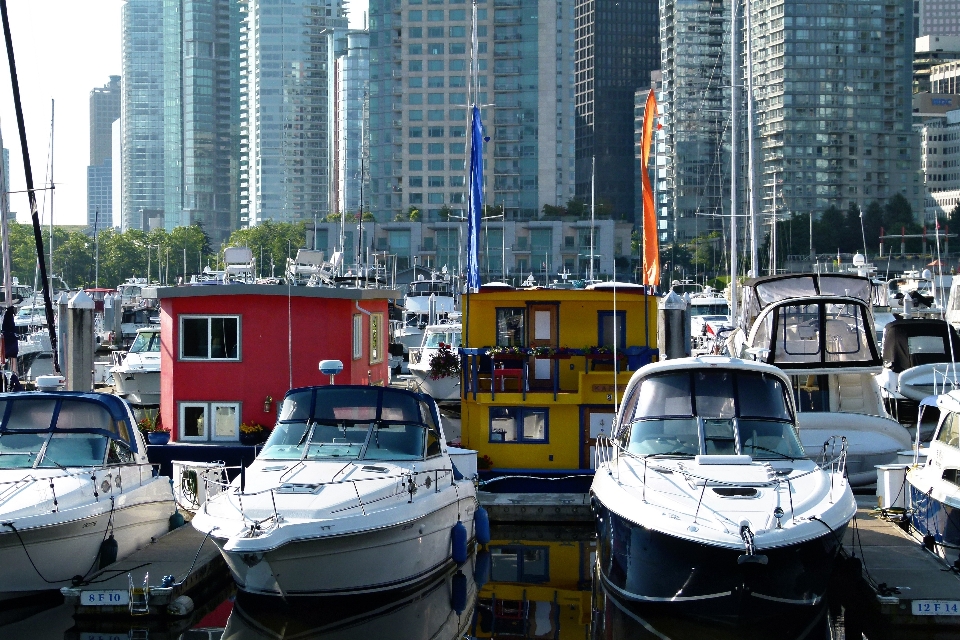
146,341
709,412
711,309
449,338
358,423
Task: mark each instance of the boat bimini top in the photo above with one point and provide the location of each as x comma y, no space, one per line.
64,429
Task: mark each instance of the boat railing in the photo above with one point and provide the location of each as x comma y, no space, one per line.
945,378
11,488
833,457
407,483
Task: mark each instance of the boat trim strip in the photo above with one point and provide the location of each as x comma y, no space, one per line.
634,596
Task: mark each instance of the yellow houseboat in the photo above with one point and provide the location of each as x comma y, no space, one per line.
543,369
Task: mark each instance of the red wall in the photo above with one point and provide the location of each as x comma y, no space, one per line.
321,329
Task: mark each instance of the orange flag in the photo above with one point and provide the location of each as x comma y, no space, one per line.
651,245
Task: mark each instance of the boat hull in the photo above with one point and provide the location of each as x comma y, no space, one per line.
645,566
378,560
48,557
138,387
447,388
934,517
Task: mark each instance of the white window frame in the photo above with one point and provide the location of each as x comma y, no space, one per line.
209,317
209,410
357,336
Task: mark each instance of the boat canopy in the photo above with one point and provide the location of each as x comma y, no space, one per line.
760,293
355,422
912,342
808,333
62,429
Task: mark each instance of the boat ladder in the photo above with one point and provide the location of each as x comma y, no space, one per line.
139,596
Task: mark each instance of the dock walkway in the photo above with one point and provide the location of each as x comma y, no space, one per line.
171,554
906,585
536,507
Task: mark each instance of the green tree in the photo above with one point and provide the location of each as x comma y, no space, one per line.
274,241
445,213
578,208
413,214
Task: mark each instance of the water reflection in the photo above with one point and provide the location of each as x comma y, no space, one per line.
533,582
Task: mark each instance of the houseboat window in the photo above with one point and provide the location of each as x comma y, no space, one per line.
516,424
607,329
210,338
519,564
510,327
146,342
222,418
950,430
357,336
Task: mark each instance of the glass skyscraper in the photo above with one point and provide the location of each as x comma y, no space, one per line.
141,112
104,109
353,79
287,127
202,114
617,46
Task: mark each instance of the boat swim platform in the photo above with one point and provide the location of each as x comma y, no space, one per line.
170,554
901,584
537,507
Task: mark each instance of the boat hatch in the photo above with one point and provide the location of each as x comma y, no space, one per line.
291,487
952,476
736,492
374,469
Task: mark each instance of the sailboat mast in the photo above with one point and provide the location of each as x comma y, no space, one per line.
5,237
593,194
751,184
52,105
734,98
31,193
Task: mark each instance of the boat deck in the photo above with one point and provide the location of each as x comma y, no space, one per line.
172,554
906,585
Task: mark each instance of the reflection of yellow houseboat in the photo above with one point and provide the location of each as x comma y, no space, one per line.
537,588
538,376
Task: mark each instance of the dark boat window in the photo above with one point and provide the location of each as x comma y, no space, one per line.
664,395
761,396
768,439
334,403
84,415
29,413
951,476
400,407
811,393
677,436
296,406
950,430
714,393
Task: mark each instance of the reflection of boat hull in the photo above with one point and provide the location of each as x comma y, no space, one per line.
642,565
69,548
416,614
137,386
378,560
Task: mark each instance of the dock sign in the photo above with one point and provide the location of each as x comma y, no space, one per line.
936,607
105,598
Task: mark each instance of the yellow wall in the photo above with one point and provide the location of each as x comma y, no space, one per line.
577,322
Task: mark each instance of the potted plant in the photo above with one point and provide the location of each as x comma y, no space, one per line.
484,462
153,431
444,363
253,433
507,353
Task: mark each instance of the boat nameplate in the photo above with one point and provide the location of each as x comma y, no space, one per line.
936,607
105,598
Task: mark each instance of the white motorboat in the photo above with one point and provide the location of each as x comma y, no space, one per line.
709,319
444,388
426,302
818,329
354,492
73,474
934,484
705,498
919,360
137,377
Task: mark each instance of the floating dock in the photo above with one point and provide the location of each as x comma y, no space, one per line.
902,587
195,563
537,507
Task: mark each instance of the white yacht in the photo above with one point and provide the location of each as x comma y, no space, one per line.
818,329
705,498
444,388
137,377
426,302
354,492
73,474
934,484
709,319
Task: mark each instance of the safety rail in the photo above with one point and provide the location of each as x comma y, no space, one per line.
609,450
407,484
948,375
11,488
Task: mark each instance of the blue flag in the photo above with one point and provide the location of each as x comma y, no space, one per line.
476,201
